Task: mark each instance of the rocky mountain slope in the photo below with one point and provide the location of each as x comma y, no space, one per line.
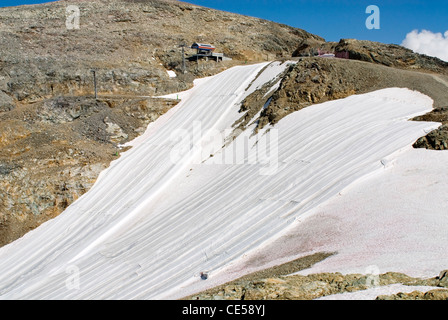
55,138
130,43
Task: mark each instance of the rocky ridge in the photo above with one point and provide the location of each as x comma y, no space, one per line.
281,283
314,80
390,55
296,287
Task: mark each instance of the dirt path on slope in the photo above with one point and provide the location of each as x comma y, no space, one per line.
440,79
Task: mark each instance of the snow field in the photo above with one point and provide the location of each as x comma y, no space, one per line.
166,211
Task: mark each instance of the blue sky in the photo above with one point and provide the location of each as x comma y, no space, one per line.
338,19
335,19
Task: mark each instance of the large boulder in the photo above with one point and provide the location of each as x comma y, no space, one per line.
443,279
6,102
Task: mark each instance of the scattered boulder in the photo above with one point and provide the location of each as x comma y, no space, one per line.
435,140
443,279
6,102
298,287
441,294
116,133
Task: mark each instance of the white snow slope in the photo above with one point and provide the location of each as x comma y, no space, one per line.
168,210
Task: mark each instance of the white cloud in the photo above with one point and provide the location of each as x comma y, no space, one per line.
427,42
